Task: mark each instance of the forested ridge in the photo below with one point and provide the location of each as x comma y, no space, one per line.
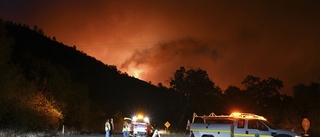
45,84
84,90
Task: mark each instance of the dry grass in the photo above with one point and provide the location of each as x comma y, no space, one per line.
10,133
13,133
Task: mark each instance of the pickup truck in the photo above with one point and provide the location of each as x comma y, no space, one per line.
139,126
235,125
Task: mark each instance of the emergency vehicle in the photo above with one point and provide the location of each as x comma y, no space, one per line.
235,125
140,126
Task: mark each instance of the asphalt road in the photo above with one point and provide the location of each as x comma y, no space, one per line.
93,135
120,135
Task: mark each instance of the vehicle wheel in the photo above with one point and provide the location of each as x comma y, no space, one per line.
282,136
207,136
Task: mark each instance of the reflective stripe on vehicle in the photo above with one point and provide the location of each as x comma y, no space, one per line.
208,130
250,135
243,135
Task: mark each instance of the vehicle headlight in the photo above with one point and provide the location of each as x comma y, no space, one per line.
134,118
146,119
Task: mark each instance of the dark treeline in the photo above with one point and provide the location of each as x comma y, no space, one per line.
45,84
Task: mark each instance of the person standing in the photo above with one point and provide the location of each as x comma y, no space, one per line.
111,127
107,128
125,129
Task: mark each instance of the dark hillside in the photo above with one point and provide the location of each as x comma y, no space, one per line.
109,91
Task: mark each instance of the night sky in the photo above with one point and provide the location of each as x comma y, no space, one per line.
151,39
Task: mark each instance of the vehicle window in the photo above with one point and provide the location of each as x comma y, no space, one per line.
252,124
271,126
262,127
241,123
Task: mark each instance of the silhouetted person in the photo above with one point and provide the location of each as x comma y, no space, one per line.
111,127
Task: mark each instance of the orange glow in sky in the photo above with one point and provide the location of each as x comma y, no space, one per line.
136,72
150,40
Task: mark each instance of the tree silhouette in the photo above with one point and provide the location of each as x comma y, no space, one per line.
193,83
238,100
265,96
197,87
262,90
35,28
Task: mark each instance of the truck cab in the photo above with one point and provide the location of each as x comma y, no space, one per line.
236,125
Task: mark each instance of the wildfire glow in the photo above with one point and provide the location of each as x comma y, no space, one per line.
135,71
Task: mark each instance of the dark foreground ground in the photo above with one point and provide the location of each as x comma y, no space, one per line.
120,135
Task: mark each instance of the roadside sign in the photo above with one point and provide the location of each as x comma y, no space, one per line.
305,124
167,124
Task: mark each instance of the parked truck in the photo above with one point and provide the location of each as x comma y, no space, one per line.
235,125
139,126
